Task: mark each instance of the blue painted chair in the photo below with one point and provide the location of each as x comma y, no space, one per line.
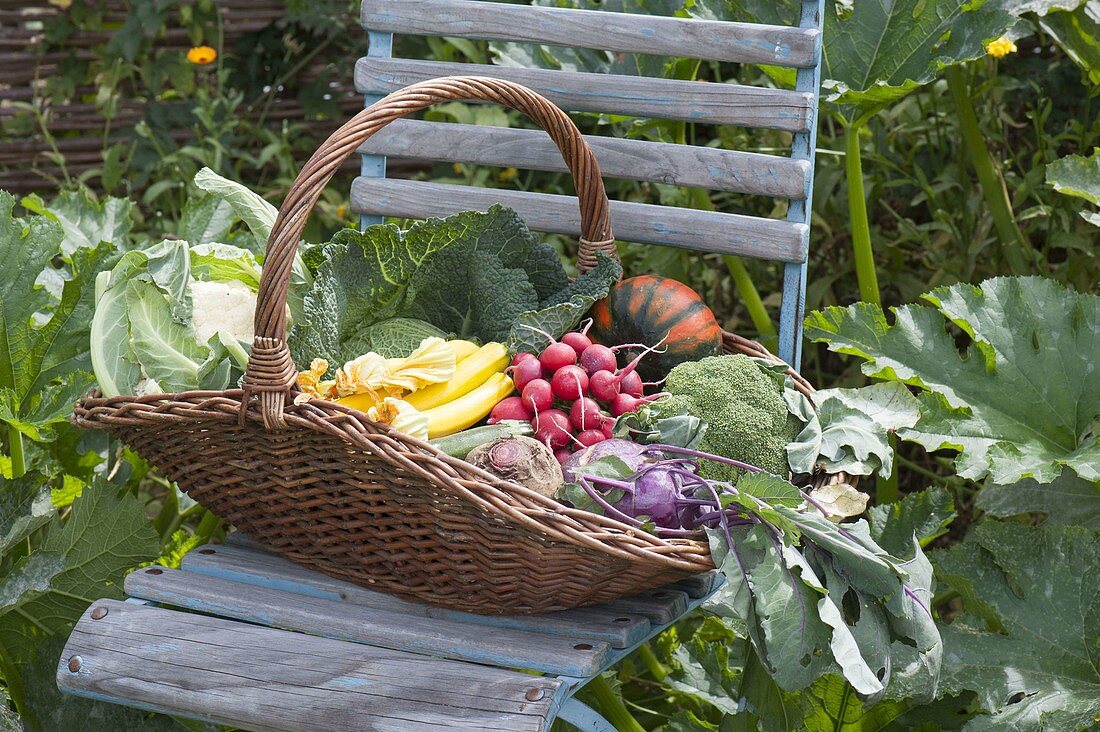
241,637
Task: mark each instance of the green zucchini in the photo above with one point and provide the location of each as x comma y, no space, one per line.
460,444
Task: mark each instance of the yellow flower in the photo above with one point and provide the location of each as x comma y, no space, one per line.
1000,47
341,211
432,362
311,385
202,55
507,174
402,416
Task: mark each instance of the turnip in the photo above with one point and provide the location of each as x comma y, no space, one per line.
552,428
520,459
569,383
511,408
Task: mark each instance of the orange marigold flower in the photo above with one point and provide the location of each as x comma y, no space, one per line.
202,55
1000,47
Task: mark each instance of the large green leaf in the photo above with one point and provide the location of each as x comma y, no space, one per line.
923,516
877,51
79,561
1078,33
1078,176
1069,500
1020,402
1042,587
43,340
25,506
87,223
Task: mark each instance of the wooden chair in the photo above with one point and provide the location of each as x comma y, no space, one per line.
238,636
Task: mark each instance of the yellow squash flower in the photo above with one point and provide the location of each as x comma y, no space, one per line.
1000,47
202,55
432,362
402,416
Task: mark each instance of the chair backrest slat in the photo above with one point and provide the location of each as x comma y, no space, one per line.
794,111
708,231
640,96
656,162
623,32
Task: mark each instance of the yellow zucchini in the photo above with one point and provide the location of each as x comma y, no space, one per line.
470,373
463,349
468,409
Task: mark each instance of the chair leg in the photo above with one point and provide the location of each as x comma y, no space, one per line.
583,717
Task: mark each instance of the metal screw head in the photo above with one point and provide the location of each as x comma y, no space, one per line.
74,664
534,694
99,613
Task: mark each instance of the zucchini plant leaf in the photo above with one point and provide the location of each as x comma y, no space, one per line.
1019,402
1039,585
79,561
86,223
1069,500
43,339
1078,176
25,505
1078,33
923,516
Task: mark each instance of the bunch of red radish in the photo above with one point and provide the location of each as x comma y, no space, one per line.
572,392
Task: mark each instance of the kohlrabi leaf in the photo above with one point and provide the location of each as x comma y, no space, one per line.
1019,403
850,429
1041,670
1069,500
44,341
922,516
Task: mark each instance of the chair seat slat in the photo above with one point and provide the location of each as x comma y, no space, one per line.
706,231
641,96
658,162
625,32
249,566
255,677
334,619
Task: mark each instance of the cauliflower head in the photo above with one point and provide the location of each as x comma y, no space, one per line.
747,418
222,306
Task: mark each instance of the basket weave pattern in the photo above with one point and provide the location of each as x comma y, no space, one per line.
324,486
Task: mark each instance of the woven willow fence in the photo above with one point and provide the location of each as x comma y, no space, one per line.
53,58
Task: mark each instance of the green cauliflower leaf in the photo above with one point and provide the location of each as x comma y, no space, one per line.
1020,402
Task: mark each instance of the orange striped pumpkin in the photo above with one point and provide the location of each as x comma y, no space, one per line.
645,309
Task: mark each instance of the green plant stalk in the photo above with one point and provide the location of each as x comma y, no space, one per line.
886,489
656,668
1013,243
611,706
207,526
857,214
18,695
18,458
750,296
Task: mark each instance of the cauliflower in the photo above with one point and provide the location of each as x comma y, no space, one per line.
222,306
747,418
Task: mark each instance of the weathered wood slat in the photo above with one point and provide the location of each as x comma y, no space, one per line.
260,678
660,162
706,39
697,586
693,101
616,628
661,606
706,231
333,619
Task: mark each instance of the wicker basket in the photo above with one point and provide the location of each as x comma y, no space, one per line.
324,486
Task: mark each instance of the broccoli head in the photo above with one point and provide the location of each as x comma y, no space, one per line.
747,418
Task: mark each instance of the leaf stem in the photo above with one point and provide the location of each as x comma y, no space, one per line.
18,458
750,296
612,707
857,213
1014,246
656,668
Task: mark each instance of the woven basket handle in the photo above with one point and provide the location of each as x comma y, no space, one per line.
271,372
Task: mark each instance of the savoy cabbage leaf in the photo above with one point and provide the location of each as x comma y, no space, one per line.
473,274
1039,668
1022,400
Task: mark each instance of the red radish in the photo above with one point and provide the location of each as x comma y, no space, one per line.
598,358
607,426
585,414
557,355
632,384
537,395
526,371
625,403
569,383
562,455
604,385
588,438
552,428
521,357
579,340
510,408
